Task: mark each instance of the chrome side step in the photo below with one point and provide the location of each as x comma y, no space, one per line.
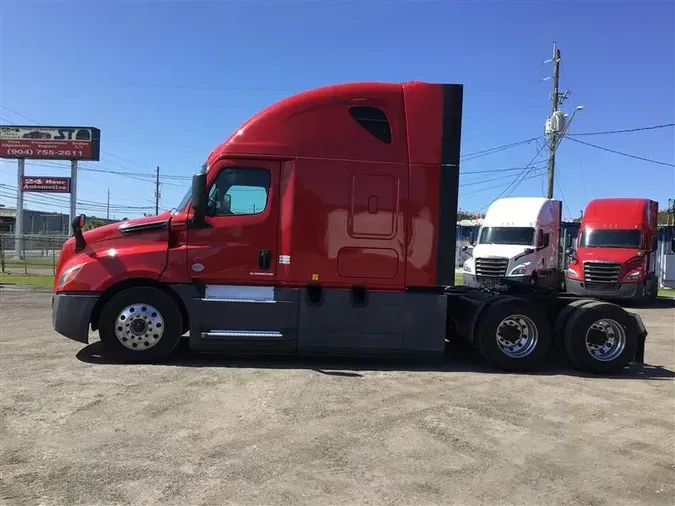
249,301
236,334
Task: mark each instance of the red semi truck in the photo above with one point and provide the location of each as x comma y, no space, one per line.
615,254
326,224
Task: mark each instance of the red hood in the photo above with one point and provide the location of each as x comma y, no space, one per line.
112,231
621,255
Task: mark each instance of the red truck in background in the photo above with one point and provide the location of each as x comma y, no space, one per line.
615,254
326,224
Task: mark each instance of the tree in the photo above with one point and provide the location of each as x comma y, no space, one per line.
93,223
664,215
466,215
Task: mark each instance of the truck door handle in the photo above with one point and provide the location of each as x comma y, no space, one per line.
264,259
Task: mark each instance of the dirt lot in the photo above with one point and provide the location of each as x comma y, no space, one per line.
76,430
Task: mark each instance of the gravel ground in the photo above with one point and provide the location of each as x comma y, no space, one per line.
209,430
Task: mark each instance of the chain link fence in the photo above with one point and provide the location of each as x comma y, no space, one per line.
38,254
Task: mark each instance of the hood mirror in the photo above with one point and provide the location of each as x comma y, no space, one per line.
199,197
78,224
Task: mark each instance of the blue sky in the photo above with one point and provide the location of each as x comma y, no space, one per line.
168,81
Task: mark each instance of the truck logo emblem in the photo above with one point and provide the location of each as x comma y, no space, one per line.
197,267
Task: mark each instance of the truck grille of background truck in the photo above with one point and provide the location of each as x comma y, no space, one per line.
491,267
601,275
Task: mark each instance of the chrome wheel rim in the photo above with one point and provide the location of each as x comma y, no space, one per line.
139,327
517,336
605,340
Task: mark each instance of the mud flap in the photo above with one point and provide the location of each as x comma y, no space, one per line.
642,337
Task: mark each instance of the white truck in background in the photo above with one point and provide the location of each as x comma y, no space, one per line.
519,239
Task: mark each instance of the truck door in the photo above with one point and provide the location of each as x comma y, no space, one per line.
239,242
233,260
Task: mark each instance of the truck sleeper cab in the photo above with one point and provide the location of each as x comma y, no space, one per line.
324,225
518,239
615,254
319,216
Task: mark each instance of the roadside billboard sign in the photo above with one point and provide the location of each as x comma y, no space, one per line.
50,142
45,184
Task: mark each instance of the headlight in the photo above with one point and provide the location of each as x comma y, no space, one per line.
572,273
519,270
632,276
69,274
467,267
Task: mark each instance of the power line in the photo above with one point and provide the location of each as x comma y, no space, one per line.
126,174
496,149
526,170
482,181
58,199
627,130
562,197
623,154
535,175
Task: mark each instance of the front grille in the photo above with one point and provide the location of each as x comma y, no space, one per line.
491,267
601,275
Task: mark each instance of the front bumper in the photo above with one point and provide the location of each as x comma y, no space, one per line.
71,313
477,282
622,291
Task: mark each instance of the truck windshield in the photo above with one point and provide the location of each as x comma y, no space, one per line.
188,193
613,238
523,236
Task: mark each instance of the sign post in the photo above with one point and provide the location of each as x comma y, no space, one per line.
18,223
73,193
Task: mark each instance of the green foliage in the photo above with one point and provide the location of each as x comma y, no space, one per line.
93,223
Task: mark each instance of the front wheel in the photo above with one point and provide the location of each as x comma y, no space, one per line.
652,289
140,325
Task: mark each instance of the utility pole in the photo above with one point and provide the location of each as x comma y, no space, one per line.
556,99
157,192
107,209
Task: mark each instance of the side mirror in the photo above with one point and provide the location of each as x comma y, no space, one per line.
528,251
570,253
199,197
78,224
467,249
540,239
472,239
568,241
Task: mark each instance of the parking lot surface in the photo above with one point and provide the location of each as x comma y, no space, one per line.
76,429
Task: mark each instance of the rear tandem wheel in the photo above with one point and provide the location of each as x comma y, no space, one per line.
513,335
601,338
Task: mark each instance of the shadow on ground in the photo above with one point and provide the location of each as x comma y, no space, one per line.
459,358
658,303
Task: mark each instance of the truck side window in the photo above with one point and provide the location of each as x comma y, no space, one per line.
238,191
374,120
547,239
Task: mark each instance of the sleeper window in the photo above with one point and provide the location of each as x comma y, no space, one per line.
374,121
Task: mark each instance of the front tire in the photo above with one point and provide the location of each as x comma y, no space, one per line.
513,335
652,291
140,325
